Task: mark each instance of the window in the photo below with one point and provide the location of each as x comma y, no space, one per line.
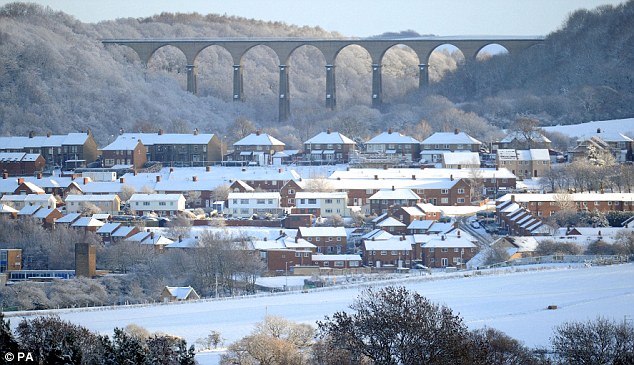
317,239
244,201
444,262
460,191
291,201
338,263
339,239
328,201
444,200
326,263
146,203
444,249
431,249
162,203
460,200
353,264
298,254
455,249
260,201
312,201
445,191
383,253
456,260
329,239
394,253
291,191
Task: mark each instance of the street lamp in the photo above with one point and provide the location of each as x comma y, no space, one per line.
286,274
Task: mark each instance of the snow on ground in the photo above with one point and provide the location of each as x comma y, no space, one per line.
513,301
625,126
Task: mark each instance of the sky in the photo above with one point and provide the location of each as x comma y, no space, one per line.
358,18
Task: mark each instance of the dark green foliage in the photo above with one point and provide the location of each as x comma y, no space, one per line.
616,218
7,341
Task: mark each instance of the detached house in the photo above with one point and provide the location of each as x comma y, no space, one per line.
257,148
525,164
438,143
329,147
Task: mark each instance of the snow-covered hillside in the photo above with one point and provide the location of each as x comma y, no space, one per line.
625,126
513,301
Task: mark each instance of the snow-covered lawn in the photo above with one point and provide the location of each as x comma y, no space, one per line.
513,301
625,126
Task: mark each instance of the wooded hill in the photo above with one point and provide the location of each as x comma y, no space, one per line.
55,75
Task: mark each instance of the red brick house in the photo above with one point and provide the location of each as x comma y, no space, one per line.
447,250
284,252
21,164
328,240
329,147
395,252
125,150
388,199
288,192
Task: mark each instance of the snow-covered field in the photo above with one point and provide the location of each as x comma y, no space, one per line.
625,126
513,301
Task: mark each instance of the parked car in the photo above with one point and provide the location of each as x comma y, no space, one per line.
475,224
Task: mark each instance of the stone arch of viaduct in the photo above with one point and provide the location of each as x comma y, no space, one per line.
330,48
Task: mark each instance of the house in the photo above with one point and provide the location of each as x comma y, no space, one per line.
161,204
386,199
47,216
294,221
125,150
21,164
195,149
8,211
68,219
394,145
109,203
257,149
20,201
419,227
68,151
392,225
460,160
123,233
106,231
289,190
329,147
615,143
245,205
446,250
321,204
284,252
545,205
525,164
178,293
438,143
337,261
328,240
87,224
519,140
27,187
516,247
393,252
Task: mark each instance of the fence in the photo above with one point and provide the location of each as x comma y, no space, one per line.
566,259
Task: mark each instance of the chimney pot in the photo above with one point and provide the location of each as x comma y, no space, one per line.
451,177
48,134
266,239
31,134
208,168
279,170
598,130
195,131
136,172
122,180
20,180
171,169
39,176
5,175
456,131
194,178
392,187
328,131
389,131
180,238
384,167
413,177
258,132
513,198
376,177
158,178
152,235
85,180
160,132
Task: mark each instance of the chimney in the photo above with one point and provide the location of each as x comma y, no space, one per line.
20,180
384,167
194,178
121,130
266,239
400,238
135,172
195,131
258,132
38,176
497,167
451,177
389,131
85,180
456,131
158,178
338,177
160,132
180,238
48,134
376,177
443,237
31,134
279,171
513,198
122,180
171,170
598,130
458,233
392,187
152,235
599,233
459,167
300,178
5,175
281,232
348,168
413,177
208,168
296,239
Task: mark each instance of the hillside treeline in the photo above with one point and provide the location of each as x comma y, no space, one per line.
57,76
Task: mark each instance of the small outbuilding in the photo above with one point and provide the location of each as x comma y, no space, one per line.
178,293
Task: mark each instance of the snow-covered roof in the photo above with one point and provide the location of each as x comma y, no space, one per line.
123,143
180,292
283,242
390,222
450,138
428,208
394,244
575,197
534,154
156,197
29,210
149,139
123,231
91,198
87,222
424,224
156,240
395,194
7,209
329,138
377,234
449,242
607,136
259,139
419,174
18,157
461,158
320,195
390,137
108,228
322,231
43,141
69,218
